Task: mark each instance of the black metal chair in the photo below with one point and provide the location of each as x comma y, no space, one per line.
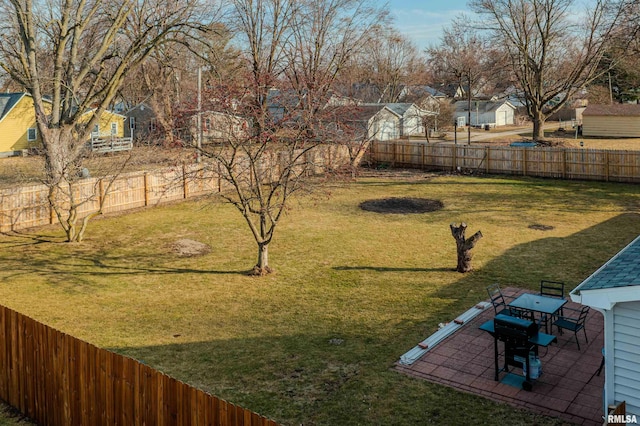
500,305
551,289
574,323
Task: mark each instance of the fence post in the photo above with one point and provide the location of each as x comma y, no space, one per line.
606,166
564,163
395,154
185,189
455,158
422,159
524,161
146,189
372,153
488,158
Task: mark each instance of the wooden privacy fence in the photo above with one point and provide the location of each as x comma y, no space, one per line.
562,163
56,379
28,206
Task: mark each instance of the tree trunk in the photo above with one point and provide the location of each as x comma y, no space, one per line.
262,266
538,125
464,246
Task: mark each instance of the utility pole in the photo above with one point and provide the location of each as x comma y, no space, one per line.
610,90
469,107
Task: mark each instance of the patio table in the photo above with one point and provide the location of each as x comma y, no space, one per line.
544,305
537,303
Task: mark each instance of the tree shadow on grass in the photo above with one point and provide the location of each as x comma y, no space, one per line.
390,269
571,259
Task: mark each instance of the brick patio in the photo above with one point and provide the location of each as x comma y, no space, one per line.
566,389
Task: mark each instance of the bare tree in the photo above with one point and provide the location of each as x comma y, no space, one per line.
274,109
72,56
460,57
168,78
552,54
620,67
381,71
392,60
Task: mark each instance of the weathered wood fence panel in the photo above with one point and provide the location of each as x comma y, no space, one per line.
56,379
559,163
28,206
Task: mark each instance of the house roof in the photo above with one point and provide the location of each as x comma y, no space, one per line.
8,101
357,113
106,110
618,280
628,110
399,108
415,92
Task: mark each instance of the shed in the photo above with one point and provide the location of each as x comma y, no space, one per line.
614,290
616,120
368,121
411,118
492,113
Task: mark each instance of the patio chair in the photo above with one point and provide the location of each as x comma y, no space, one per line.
551,289
574,323
500,305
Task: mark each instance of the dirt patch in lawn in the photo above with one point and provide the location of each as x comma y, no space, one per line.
540,227
190,248
402,205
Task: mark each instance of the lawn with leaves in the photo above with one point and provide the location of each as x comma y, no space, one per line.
315,342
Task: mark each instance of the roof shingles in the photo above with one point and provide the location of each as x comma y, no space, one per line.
627,110
622,270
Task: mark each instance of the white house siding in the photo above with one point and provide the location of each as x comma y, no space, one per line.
611,126
626,362
483,113
384,126
504,116
412,124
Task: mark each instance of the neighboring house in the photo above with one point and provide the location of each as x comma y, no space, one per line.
373,122
19,132
18,129
283,104
483,113
411,118
338,100
614,290
219,127
417,94
140,121
616,120
384,125
110,124
430,104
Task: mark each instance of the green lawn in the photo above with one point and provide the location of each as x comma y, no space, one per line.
380,283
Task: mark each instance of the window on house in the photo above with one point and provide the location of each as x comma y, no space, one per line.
132,122
207,124
96,130
32,134
114,129
152,124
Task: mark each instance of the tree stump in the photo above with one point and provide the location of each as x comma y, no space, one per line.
464,246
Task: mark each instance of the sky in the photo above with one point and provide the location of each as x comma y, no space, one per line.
422,20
